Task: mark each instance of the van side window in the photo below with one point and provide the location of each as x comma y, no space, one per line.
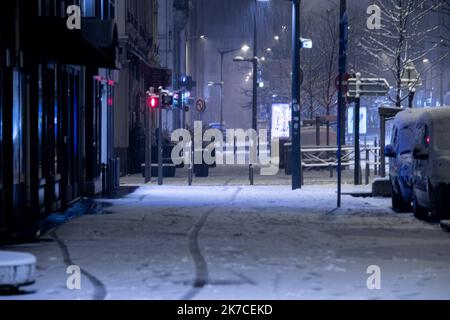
395,138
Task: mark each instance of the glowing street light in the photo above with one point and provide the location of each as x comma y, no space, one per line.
245,48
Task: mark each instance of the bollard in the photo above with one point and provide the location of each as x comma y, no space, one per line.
118,173
302,177
375,166
367,166
330,167
104,181
251,175
190,175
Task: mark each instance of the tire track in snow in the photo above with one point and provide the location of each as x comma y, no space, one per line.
201,266
99,288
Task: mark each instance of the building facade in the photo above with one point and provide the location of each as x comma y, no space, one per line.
56,108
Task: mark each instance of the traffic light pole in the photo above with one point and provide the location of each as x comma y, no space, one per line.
183,94
255,85
356,121
160,144
296,114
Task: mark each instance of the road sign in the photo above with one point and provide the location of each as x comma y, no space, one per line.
345,79
200,105
410,77
367,87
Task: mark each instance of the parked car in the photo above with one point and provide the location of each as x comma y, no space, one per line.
399,153
431,152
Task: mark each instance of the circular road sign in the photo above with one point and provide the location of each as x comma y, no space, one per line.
200,105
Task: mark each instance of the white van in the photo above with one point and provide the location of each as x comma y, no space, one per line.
431,167
399,153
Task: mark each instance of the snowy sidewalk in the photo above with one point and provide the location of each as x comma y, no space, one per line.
242,242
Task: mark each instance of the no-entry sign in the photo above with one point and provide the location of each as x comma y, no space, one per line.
200,105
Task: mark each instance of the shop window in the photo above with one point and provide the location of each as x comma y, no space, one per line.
17,129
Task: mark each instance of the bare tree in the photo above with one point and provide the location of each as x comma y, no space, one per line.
403,37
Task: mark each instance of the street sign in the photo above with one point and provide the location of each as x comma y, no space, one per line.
306,43
367,87
410,76
200,105
345,79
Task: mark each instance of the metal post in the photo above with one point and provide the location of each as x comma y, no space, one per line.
191,165
411,98
318,131
255,78
357,150
160,144
328,132
183,93
148,148
382,145
367,166
221,88
375,166
255,71
296,121
341,102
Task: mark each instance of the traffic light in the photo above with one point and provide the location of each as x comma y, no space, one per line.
188,83
153,101
177,98
167,100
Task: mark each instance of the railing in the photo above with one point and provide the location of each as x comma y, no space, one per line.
325,157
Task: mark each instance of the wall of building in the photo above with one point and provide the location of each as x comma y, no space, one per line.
56,102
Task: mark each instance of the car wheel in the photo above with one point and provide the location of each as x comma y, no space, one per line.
420,213
398,204
438,208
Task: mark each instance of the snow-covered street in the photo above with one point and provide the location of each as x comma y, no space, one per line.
241,242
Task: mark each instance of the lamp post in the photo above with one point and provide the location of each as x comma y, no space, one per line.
222,54
296,113
255,70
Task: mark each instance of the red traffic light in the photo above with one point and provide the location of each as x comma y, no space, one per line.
153,102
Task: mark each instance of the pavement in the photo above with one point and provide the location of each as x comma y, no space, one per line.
224,239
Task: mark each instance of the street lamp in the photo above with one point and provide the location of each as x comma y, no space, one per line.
222,53
245,48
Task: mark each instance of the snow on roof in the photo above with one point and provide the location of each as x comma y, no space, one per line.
408,116
438,113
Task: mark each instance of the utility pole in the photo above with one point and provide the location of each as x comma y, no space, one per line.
255,70
160,142
296,114
343,39
356,115
222,55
